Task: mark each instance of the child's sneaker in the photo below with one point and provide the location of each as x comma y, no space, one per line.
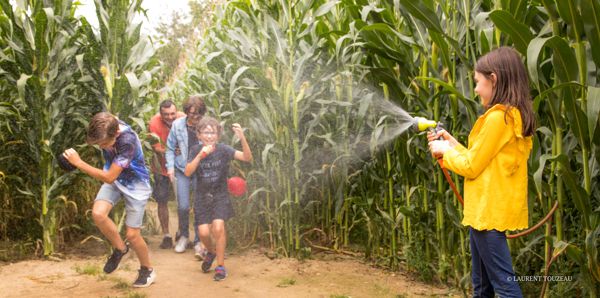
145,277
220,273
208,260
115,258
199,251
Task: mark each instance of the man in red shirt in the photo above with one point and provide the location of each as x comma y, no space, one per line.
160,125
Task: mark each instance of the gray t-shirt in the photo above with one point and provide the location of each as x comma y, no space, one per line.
213,170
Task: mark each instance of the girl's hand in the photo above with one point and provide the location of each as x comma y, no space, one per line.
438,148
237,129
433,136
206,150
72,156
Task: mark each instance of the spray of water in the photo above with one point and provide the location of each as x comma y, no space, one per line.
341,126
399,123
350,147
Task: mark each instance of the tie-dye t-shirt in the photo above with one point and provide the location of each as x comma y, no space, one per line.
127,153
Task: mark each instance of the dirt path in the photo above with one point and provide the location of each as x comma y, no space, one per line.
250,274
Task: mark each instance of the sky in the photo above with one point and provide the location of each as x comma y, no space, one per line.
157,11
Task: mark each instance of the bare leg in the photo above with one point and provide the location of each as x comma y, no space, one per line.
163,217
107,227
139,246
219,235
204,231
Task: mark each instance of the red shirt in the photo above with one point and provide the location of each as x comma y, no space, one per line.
159,128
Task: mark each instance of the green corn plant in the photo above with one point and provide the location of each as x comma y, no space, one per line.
51,69
128,66
46,76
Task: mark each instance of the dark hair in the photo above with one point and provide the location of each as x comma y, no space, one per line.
209,121
165,104
103,126
194,101
512,83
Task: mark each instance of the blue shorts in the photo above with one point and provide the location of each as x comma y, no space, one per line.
135,204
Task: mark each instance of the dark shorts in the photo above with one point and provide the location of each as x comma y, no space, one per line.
161,189
208,208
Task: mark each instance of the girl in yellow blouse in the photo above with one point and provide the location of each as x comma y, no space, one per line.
495,169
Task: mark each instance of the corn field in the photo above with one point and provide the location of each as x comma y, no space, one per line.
56,73
320,85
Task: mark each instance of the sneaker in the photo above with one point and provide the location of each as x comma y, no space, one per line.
208,260
145,277
199,251
115,258
166,243
181,244
220,273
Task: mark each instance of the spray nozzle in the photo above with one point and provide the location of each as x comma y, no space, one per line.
422,124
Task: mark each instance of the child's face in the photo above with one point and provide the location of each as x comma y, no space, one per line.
484,87
208,135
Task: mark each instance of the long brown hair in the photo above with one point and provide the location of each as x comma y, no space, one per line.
512,83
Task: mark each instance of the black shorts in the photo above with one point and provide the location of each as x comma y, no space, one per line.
160,191
208,207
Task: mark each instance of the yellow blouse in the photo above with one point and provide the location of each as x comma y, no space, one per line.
495,171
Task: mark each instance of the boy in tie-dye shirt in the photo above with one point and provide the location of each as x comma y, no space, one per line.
124,175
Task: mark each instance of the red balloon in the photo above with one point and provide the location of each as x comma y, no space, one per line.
236,185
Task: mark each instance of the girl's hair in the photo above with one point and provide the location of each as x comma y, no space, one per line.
512,83
103,126
197,102
209,121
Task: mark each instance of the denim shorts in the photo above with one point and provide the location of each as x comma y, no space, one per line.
135,204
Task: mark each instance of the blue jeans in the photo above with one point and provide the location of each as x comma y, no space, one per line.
491,265
184,186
